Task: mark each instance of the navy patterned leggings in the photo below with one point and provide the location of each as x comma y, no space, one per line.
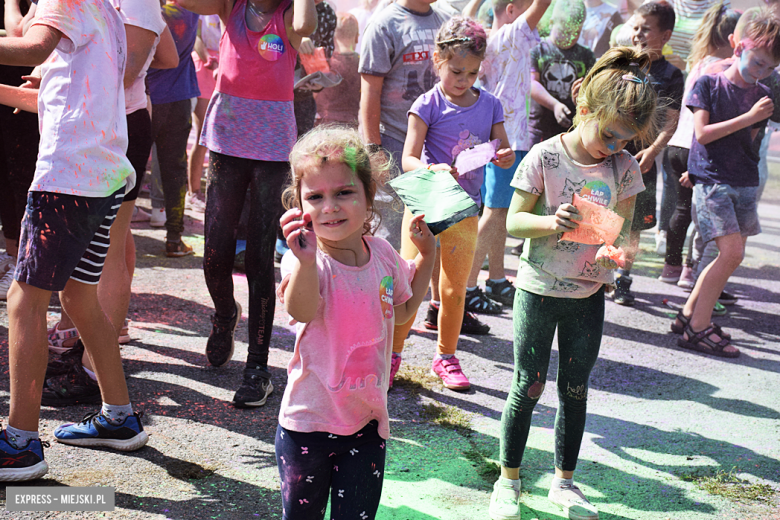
580,322
351,468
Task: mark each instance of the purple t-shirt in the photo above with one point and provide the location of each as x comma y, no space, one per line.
729,160
452,129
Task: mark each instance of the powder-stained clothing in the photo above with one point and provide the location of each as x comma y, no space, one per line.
731,159
453,129
506,73
558,69
549,267
598,26
81,101
398,45
338,375
180,82
683,136
340,104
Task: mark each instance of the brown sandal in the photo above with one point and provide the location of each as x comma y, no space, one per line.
679,329
702,342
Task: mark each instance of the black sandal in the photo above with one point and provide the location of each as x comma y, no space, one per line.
679,329
701,342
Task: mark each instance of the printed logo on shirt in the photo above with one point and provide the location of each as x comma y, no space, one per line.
415,57
597,192
386,296
270,47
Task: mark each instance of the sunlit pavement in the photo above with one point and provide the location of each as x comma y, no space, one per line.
660,418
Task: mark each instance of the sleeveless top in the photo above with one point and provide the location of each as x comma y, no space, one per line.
251,113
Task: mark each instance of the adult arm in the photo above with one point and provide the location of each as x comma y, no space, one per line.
166,56
370,107
139,45
706,133
32,49
301,21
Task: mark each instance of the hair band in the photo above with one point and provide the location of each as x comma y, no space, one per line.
464,39
631,77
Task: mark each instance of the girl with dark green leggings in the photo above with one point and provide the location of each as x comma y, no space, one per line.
568,189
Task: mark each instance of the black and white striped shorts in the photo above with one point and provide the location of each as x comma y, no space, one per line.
65,237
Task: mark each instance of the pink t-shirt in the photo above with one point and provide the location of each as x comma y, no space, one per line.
337,379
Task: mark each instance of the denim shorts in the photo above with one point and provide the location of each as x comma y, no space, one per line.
496,191
723,210
64,237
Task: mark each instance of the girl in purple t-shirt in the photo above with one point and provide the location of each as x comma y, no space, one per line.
450,118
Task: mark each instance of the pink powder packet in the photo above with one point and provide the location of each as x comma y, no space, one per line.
315,62
599,225
472,159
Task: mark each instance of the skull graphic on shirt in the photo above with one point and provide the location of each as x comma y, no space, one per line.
558,77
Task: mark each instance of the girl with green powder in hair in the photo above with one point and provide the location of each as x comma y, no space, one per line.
560,284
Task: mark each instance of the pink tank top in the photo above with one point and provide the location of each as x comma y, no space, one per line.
256,65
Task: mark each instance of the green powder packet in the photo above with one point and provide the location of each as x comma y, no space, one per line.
437,195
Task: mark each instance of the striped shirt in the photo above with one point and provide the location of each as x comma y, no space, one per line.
688,17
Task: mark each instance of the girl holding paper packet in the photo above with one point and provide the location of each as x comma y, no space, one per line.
560,283
448,119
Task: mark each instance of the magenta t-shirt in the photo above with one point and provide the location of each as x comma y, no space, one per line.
337,379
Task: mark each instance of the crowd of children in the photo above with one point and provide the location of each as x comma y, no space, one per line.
406,86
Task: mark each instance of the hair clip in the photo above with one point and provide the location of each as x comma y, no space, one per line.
464,39
633,64
631,77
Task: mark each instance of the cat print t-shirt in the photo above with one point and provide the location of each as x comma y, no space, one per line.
549,266
337,379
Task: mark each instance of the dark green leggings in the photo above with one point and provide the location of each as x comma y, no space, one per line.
580,323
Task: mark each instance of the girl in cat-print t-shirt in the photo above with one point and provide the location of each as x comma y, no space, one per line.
560,283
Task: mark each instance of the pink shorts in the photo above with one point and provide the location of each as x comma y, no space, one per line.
206,81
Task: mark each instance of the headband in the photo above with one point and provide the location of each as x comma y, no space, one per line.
464,39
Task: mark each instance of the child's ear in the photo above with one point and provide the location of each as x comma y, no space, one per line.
731,40
667,36
738,48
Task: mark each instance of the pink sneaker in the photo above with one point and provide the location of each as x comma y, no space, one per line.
395,364
448,370
62,340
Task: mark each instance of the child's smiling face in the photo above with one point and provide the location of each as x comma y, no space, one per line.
647,35
335,199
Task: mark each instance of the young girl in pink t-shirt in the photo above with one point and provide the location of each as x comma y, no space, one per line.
346,289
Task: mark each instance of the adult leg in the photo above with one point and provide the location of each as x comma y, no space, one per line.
675,164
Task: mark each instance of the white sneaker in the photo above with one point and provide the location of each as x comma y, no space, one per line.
573,503
504,502
6,261
139,215
158,217
660,243
6,281
196,202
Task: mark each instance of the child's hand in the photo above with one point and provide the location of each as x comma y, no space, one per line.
575,89
763,109
306,46
646,159
300,236
504,158
611,257
442,167
685,181
565,218
562,114
421,236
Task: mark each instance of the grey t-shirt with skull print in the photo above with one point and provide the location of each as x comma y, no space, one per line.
553,267
558,69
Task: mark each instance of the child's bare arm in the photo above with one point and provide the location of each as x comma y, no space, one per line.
534,13
32,49
425,243
370,107
301,21
646,157
13,19
522,223
625,208
505,156
706,133
541,96
165,56
22,98
413,146
472,9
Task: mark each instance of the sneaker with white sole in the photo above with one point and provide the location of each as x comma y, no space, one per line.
158,217
254,389
140,215
95,430
450,373
660,243
504,502
5,282
222,342
18,464
687,278
573,502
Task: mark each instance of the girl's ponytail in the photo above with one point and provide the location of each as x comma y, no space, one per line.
617,89
713,33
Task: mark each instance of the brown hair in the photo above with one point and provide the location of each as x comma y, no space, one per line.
617,90
713,33
341,144
761,27
460,33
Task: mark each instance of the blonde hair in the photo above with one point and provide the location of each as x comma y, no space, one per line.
761,27
617,90
713,33
340,144
347,27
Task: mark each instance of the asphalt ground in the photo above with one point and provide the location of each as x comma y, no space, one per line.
671,434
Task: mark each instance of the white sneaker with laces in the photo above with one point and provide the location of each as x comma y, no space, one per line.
158,217
6,281
660,243
504,501
573,503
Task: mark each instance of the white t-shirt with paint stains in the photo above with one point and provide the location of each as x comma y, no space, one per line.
549,267
81,102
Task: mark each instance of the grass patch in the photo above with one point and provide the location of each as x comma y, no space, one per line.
485,468
729,485
414,379
447,417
